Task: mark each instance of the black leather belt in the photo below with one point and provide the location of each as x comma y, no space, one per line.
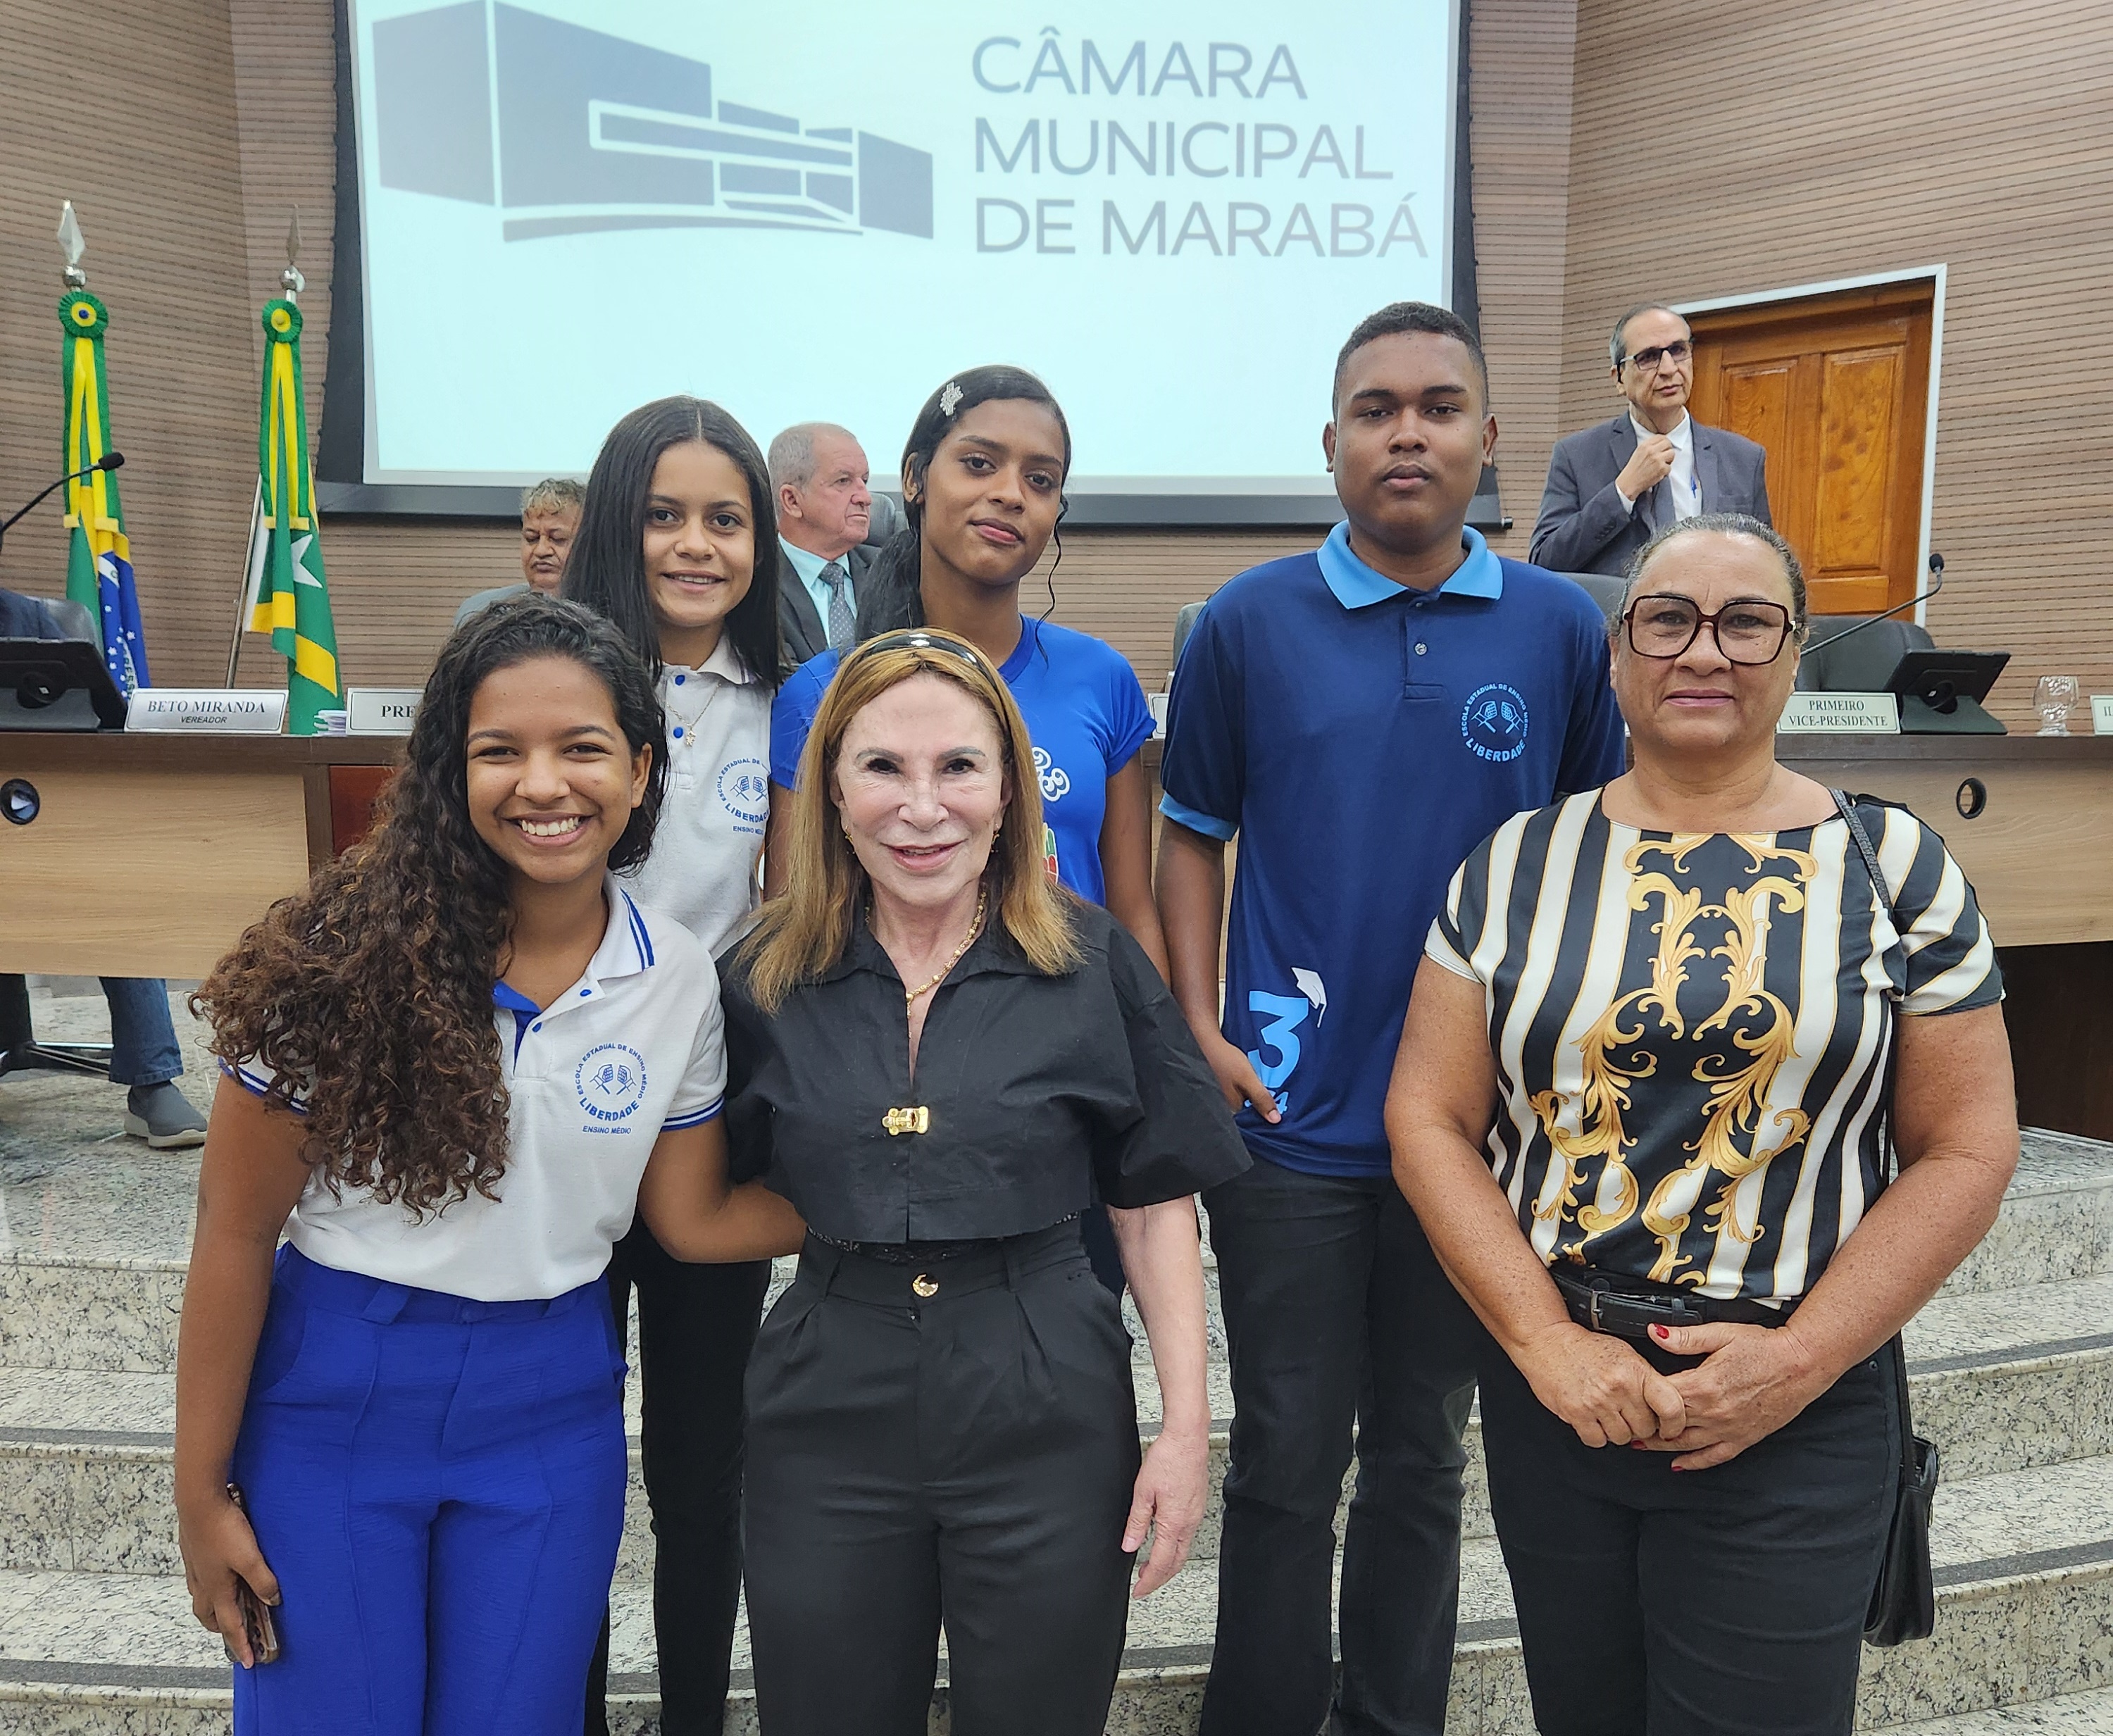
1629,1307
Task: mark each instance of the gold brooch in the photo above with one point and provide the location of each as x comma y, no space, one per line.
917,1120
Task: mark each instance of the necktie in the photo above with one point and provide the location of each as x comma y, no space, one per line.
841,628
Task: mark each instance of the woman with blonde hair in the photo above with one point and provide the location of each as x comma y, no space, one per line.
941,1058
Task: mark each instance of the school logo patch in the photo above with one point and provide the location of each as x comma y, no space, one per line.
745,789
1494,722
610,1081
1056,781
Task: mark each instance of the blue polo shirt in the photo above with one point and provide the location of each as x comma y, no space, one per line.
1085,714
1361,738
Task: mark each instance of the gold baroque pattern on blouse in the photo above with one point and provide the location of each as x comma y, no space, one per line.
1730,1143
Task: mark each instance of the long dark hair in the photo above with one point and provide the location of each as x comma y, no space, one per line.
607,568
892,596
370,992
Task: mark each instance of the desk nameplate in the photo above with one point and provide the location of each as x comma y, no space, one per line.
381,711
207,711
1840,714
2101,713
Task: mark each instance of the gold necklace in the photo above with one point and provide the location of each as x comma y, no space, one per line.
975,927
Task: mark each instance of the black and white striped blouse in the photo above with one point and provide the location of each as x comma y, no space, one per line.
1691,1032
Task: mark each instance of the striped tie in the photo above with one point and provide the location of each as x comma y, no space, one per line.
843,629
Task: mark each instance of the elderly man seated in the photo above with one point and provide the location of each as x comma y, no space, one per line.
550,515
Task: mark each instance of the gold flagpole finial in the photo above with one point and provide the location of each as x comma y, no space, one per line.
290,279
71,239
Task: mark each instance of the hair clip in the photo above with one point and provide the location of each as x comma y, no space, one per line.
950,398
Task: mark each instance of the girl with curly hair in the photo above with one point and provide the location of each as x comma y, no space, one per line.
455,1065
677,546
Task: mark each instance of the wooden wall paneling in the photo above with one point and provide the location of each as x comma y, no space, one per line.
130,112
1521,54
1816,141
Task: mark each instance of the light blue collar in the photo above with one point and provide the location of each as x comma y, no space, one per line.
805,561
1356,585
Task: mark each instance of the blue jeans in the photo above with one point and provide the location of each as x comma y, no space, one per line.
142,1041
438,1484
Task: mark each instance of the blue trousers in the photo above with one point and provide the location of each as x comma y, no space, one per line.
438,1484
143,1040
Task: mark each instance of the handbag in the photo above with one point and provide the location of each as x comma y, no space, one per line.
1904,1601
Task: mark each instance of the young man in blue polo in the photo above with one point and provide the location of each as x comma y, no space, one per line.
1360,718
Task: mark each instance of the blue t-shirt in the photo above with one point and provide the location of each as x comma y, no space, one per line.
1361,738
1085,714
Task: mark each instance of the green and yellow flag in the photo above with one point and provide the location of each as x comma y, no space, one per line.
288,599
99,553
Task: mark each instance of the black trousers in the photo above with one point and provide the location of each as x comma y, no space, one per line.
1338,1317
696,1325
1728,1601
966,1456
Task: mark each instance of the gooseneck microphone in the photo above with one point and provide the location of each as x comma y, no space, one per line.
108,461
1935,572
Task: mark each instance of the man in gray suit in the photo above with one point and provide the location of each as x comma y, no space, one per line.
1612,487
824,512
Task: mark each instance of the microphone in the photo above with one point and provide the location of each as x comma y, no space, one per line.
108,461
1935,572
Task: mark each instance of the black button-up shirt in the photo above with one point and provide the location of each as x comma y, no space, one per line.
1043,1093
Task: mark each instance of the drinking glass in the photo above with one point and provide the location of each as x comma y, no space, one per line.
2054,698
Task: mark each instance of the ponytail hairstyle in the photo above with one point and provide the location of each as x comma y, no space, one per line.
607,568
368,993
892,596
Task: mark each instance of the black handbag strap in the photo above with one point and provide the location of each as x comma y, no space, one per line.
1845,806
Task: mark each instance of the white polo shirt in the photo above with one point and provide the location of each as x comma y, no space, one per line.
702,870
635,1046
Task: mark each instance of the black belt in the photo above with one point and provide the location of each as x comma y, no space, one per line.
857,1275
1629,1307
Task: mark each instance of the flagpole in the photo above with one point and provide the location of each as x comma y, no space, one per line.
291,283
245,597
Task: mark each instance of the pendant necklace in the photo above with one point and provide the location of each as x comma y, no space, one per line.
975,927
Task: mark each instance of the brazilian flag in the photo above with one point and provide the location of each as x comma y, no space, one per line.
98,555
288,599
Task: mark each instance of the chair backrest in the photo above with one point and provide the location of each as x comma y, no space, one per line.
1184,624
1605,588
1858,664
74,619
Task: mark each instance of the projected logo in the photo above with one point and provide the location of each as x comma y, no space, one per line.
596,132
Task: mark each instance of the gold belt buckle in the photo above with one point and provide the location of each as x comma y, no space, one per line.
917,1120
925,1285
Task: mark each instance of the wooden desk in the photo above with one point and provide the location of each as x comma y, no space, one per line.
2039,851
151,853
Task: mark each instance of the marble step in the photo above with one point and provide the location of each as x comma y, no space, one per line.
2002,1380
2089,1713
2025,1565
92,1245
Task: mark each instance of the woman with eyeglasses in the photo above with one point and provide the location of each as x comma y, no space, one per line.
941,1057
1641,1105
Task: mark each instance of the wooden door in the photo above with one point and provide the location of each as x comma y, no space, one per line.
1837,387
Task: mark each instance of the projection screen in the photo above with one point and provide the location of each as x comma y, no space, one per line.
1173,212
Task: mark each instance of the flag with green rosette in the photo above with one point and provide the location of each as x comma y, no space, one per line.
98,555
288,599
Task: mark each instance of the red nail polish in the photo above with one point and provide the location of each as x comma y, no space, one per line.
1661,1332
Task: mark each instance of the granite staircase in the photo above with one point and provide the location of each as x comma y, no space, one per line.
2012,1369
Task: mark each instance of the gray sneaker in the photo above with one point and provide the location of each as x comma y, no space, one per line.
163,1116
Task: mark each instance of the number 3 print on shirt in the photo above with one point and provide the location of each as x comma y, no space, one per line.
1284,1014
